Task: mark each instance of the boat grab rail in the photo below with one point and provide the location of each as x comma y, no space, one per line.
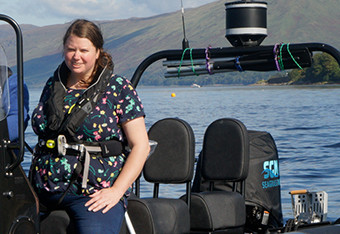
227,52
20,85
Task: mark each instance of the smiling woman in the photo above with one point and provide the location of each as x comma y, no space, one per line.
80,57
83,52
88,106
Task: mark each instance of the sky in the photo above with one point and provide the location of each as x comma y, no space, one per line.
49,12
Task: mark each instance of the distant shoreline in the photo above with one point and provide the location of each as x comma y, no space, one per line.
219,85
262,83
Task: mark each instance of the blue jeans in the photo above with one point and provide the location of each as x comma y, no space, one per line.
87,222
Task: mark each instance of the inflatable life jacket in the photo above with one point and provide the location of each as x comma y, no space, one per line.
66,124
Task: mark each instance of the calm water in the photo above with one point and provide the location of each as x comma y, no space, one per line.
304,121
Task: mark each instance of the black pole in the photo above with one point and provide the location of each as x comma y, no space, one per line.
20,83
185,42
223,52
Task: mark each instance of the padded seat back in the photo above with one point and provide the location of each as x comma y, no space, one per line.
174,157
225,154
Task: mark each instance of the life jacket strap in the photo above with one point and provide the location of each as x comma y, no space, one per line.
86,169
61,147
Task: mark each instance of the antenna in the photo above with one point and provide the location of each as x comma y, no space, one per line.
185,42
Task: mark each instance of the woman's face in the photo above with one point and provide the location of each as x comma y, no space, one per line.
80,56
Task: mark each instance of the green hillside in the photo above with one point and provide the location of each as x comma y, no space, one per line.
131,40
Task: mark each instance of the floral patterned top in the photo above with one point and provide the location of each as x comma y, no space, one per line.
119,103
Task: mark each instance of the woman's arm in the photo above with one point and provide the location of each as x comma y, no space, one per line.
137,137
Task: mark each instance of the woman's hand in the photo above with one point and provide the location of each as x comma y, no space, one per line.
104,199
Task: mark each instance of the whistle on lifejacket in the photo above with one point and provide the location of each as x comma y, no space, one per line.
50,144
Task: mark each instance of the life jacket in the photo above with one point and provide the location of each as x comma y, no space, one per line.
59,122
66,124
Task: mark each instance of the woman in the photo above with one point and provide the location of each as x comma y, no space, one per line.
112,117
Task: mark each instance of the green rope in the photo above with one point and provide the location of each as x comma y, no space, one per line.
293,57
192,62
280,59
180,64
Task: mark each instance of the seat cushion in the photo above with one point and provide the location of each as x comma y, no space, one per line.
57,222
159,215
217,210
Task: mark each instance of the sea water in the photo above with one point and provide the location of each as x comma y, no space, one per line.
303,120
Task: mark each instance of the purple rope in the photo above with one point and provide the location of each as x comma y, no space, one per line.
207,59
276,56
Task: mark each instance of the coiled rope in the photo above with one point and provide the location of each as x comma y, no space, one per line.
191,59
278,58
207,59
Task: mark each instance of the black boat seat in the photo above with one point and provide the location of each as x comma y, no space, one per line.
225,156
208,211
59,222
171,163
163,215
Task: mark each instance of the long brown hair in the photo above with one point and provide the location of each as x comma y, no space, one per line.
86,29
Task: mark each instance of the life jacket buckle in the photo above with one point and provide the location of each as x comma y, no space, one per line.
84,156
62,147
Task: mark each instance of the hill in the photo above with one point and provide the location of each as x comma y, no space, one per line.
131,40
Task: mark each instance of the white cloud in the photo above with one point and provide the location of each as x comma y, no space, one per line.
45,12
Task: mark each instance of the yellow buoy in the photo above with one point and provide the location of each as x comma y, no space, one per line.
173,95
